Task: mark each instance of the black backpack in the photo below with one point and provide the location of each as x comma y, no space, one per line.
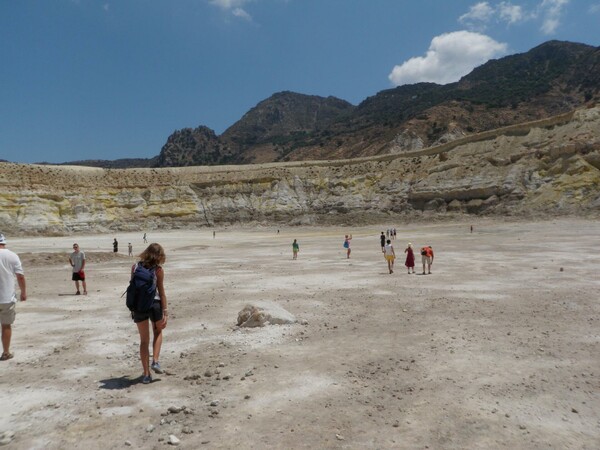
142,289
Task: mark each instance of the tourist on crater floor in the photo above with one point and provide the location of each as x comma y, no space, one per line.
427,258
129,249
410,258
77,261
382,240
115,246
347,240
145,239
152,260
295,249
10,267
390,255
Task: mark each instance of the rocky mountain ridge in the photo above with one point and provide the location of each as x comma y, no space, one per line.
550,79
546,167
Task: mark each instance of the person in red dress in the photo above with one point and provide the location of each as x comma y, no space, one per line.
410,258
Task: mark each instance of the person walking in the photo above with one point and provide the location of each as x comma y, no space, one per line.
10,268
115,246
410,258
382,240
129,249
77,261
295,249
390,255
144,238
347,240
152,259
427,258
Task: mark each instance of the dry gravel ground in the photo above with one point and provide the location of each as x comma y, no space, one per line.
498,348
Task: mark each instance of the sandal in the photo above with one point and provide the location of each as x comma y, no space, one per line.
6,356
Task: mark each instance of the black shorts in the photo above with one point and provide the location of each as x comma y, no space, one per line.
78,276
155,313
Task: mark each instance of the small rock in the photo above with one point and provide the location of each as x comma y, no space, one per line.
187,430
246,397
214,403
175,409
227,377
339,437
573,410
562,270
208,373
221,364
173,440
128,443
522,427
6,437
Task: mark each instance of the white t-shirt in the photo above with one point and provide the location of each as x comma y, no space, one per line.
10,264
388,250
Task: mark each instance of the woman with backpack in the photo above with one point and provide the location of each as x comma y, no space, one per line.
150,265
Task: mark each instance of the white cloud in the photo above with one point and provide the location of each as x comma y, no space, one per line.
511,13
239,12
482,13
551,11
450,56
595,8
106,7
234,7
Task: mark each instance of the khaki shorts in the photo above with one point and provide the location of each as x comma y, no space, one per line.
426,259
390,257
7,313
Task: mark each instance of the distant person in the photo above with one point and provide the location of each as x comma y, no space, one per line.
214,234
77,261
390,255
144,238
10,267
471,228
130,249
410,258
115,246
394,234
382,240
387,233
427,258
152,259
347,240
295,249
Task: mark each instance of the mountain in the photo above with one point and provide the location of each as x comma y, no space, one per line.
263,134
550,79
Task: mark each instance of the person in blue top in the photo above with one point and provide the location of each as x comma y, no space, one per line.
347,240
295,249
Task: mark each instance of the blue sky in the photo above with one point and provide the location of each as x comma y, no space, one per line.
108,79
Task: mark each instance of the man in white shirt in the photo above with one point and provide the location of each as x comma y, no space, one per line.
10,267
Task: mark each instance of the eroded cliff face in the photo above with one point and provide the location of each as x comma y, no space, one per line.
548,167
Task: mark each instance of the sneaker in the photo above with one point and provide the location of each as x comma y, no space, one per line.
156,367
77,293
146,379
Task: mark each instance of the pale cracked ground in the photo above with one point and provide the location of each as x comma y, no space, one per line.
498,348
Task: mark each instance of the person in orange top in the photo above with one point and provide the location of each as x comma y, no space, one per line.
427,258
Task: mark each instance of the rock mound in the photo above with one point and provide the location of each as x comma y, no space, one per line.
259,315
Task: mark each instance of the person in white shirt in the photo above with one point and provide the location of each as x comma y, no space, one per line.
390,255
10,267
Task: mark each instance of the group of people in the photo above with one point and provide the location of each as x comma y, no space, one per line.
152,258
390,255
